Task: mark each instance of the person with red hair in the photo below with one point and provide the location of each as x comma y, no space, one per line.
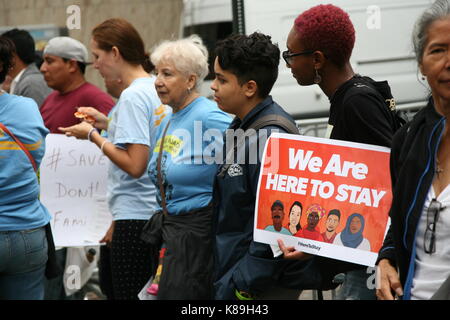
319,45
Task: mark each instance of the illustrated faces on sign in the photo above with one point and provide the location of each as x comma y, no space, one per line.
295,215
277,215
332,223
355,225
313,220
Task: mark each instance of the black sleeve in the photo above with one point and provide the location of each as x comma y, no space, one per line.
387,251
367,120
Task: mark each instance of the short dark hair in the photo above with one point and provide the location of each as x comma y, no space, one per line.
24,44
81,65
277,203
6,55
335,212
252,57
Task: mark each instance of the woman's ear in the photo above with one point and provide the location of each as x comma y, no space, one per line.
422,71
115,52
318,59
192,82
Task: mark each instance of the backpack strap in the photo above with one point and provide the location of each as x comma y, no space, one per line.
269,120
383,92
274,120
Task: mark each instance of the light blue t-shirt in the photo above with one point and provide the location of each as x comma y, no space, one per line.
134,120
192,147
282,231
20,208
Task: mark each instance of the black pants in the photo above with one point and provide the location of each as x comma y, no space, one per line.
187,271
131,260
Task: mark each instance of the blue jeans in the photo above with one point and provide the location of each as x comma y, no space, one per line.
23,256
356,287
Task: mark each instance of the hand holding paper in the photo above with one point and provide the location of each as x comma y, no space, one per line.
290,253
101,121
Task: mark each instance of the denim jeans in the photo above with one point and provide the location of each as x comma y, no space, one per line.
355,287
23,256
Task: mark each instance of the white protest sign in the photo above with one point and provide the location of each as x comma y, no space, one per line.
73,188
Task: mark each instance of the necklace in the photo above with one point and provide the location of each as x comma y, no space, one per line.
438,168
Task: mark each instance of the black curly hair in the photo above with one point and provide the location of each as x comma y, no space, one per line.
253,57
6,54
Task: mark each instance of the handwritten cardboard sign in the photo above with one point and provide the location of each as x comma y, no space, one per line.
73,188
326,197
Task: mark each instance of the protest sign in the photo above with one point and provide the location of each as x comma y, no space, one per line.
325,197
73,176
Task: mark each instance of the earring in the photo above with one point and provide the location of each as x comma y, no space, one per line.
317,78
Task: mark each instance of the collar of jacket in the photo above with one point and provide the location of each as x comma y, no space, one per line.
431,116
252,115
31,69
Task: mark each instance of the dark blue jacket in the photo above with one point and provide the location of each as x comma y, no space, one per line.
241,263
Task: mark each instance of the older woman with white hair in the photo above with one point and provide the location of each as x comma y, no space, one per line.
183,168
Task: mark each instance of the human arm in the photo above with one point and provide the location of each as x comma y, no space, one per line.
107,239
133,160
387,272
389,280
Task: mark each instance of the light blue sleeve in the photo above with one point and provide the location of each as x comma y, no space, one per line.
133,122
217,119
216,123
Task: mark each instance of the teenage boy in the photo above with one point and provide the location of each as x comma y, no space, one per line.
246,68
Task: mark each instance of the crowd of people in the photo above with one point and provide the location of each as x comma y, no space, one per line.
167,199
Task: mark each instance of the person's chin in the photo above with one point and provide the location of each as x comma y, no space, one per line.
222,107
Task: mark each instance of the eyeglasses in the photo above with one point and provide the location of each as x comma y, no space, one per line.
287,56
429,241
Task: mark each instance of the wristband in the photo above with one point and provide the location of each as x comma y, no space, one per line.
242,295
90,133
103,144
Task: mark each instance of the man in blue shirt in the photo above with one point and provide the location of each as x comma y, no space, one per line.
277,213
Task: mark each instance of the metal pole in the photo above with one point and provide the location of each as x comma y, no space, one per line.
238,16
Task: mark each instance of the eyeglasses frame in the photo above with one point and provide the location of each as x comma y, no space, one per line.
433,212
286,55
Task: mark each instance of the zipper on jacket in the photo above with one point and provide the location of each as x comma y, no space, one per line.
411,269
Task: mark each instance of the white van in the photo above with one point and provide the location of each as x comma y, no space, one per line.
383,48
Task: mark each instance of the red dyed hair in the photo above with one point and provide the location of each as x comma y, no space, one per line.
327,28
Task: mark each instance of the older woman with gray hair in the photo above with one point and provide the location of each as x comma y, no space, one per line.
183,168
414,260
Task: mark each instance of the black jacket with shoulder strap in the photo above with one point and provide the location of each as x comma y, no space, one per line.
241,263
359,112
